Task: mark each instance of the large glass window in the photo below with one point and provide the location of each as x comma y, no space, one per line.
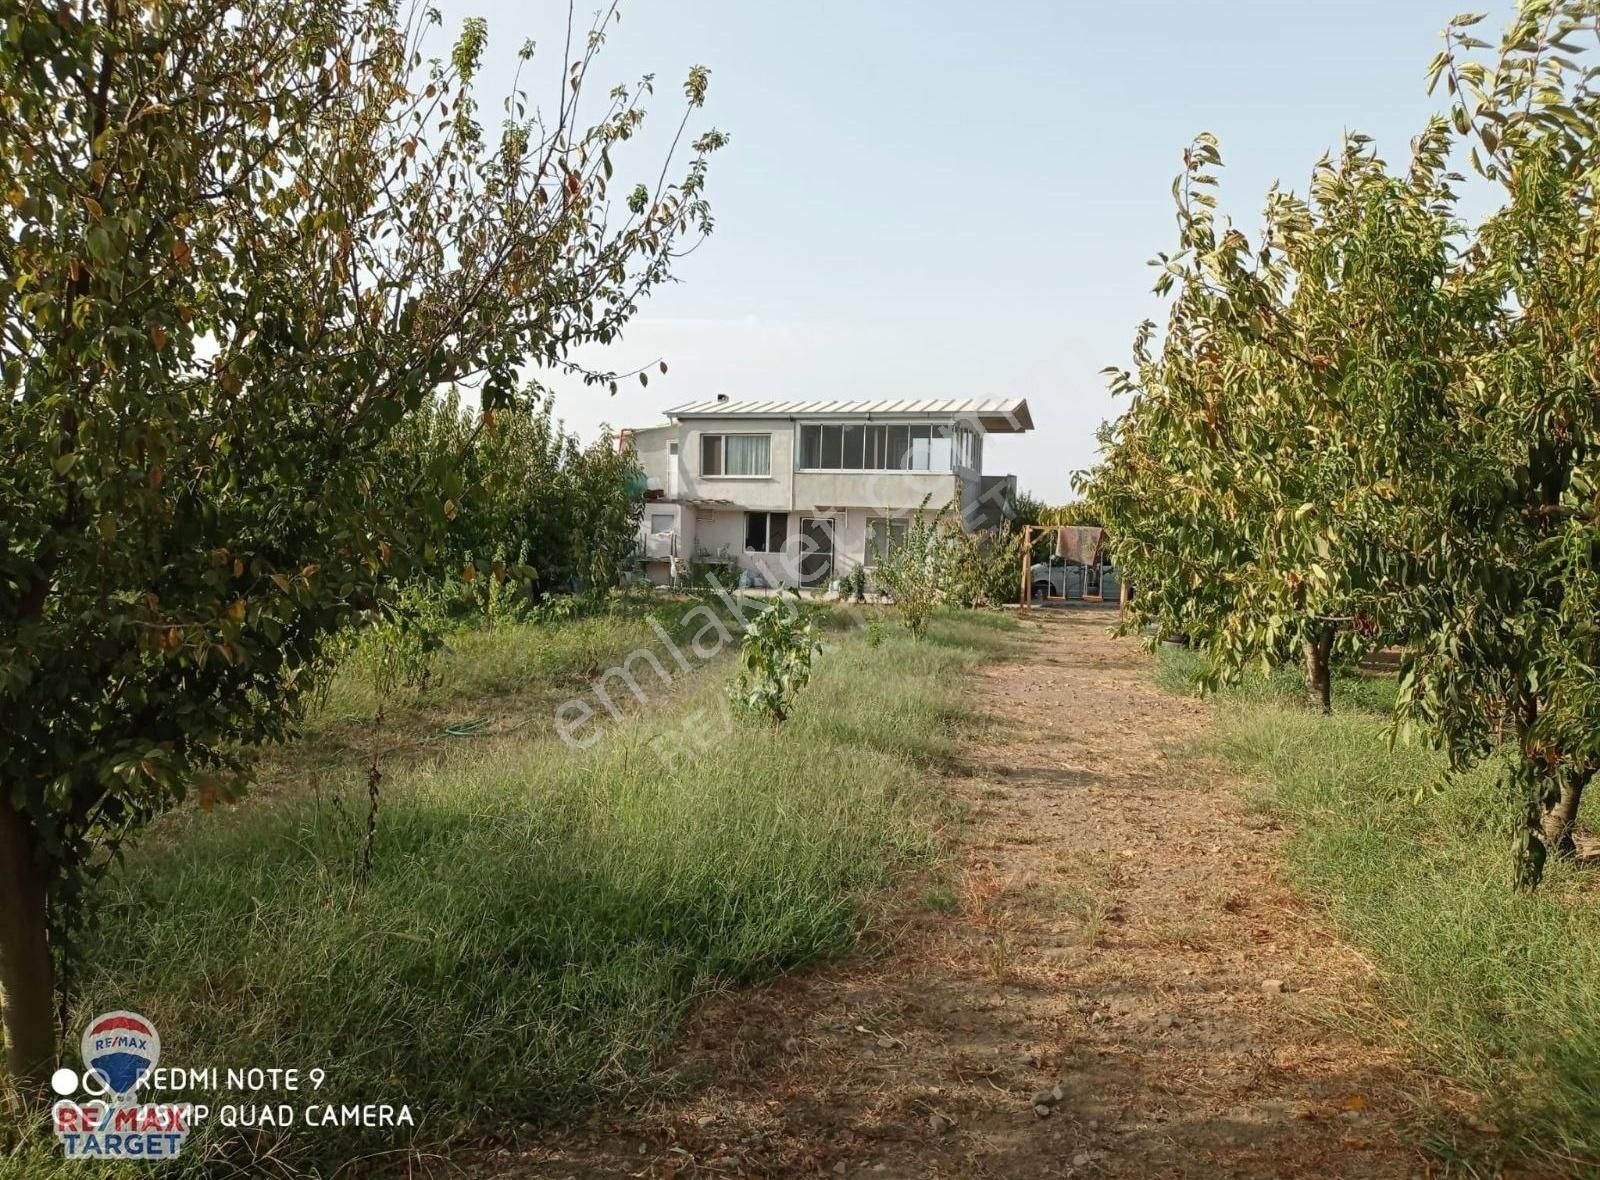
832,448
963,447
735,454
899,449
810,448
749,454
875,447
854,458
920,450
884,533
765,532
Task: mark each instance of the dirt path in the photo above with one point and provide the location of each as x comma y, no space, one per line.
1116,920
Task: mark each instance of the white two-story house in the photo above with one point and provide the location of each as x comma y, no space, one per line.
802,492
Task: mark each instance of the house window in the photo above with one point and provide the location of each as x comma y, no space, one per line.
897,452
825,447
661,522
854,439
877,448
884,535
832,448
765,532
735,454
964,449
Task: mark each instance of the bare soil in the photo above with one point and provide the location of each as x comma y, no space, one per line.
1116,929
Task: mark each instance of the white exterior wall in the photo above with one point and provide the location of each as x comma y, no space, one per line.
849,540
893,492
769,492
718,532
651,447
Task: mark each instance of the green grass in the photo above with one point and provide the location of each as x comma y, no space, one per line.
1496,990
478,679
1180,670
538,921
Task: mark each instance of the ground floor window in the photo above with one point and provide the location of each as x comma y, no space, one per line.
765,532
884,534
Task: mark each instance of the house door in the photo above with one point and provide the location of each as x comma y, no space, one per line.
816,550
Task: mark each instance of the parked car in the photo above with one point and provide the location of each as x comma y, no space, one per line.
1053,581
1069,580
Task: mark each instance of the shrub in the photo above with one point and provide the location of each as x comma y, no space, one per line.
709,571
775,657
395,650
984,568
915,572
571,513
939,562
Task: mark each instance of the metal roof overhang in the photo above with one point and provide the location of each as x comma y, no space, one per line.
993,415
1013,421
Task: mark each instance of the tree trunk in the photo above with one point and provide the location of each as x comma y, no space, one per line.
1560,820
1319,677
27,982
1528,850
1026,592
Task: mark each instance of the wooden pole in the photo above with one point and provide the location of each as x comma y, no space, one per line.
1027,565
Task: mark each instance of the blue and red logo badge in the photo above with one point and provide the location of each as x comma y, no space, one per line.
121,1048
119,1051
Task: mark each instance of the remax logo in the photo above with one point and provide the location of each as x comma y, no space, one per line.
121,1048
119,1051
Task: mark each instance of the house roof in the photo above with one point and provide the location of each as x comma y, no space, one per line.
997,415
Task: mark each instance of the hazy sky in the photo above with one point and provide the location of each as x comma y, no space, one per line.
934,198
